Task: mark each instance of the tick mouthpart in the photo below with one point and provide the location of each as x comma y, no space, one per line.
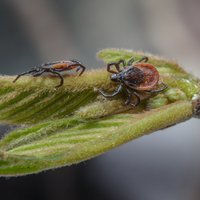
115,77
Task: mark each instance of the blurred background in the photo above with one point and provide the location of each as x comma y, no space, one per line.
164,165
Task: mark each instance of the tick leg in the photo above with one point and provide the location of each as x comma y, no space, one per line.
80,66
117,91
22,74
60,76
117,66
39,73
164,86
113,64
75,61
83,69
129,99
122,62
131,61
143,59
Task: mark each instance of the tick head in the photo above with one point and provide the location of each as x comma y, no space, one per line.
115,78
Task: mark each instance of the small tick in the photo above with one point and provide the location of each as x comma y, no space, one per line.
54,68
135,77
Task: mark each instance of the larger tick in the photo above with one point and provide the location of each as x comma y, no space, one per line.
55,68
134,78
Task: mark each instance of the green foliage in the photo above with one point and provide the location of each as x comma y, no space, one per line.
74,123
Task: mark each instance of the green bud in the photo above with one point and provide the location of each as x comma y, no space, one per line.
157,101
175,94
101,108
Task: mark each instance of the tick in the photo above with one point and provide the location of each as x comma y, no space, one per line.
56,68
134,78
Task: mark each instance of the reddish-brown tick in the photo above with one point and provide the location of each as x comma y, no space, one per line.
134,78
55,68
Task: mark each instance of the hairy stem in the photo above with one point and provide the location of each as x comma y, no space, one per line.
74,123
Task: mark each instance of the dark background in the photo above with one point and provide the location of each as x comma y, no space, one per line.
164,165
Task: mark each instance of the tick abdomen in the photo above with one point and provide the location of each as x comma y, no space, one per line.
133,76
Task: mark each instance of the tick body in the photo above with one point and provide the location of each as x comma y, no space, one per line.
134,78
55,68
